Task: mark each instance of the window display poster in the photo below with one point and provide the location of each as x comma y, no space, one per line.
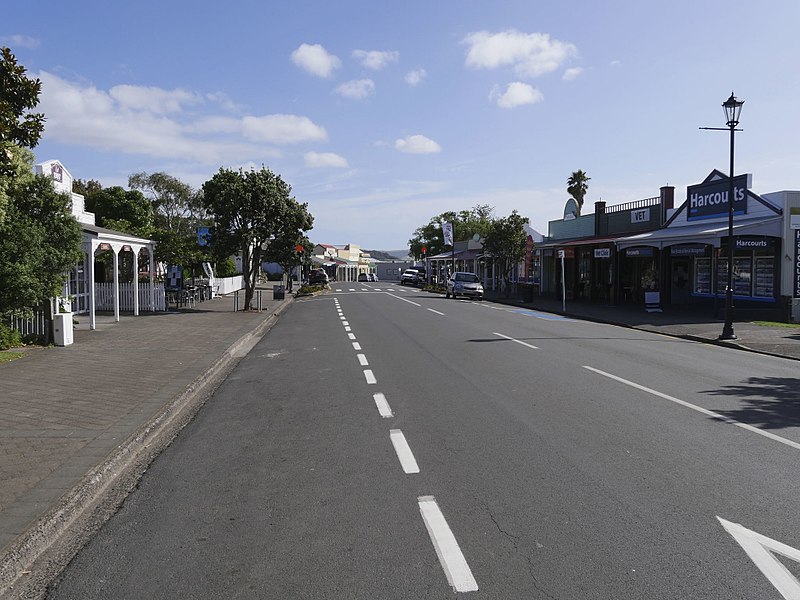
702,276
764,284
742,271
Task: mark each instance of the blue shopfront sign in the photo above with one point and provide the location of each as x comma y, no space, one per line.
688,250
634,252
710,199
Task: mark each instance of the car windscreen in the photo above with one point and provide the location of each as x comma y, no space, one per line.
467,277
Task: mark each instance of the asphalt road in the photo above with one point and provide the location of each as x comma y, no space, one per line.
395,444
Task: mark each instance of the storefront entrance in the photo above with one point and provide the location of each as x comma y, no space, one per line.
681,289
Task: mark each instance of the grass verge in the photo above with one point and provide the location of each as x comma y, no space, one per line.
9,355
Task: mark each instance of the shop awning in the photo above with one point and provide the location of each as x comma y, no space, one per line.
582,242
706,233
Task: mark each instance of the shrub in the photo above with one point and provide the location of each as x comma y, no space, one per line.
9,338
225,268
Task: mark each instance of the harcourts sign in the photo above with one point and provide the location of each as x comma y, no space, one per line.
709,200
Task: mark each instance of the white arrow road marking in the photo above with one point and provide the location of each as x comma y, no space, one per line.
362,360
403,450
699,409
518,341
760,549
370,377
436,311
383,406
450,556
403,299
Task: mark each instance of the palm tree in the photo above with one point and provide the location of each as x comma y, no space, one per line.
577,186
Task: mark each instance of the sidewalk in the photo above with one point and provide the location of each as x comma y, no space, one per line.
676,321
70,417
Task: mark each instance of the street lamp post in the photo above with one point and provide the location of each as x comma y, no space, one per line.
733,108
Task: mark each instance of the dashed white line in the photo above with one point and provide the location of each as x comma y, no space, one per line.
403,299
345,323
383,406
362,360
699,409
342,317
352,336
348,329
370,377
436,311
518,341
403,450
455,566
356,346
352,289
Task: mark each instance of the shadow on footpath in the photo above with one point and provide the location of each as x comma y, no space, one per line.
767,402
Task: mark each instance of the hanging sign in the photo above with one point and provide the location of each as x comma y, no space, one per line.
709,200
602,252
634,252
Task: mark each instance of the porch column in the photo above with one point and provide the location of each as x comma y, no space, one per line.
92,301
115,248
135,268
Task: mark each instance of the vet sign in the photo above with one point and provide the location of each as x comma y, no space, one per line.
710,199
641,215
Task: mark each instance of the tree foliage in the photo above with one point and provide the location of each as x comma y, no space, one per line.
466,224
577,186
40,241
86,188
123,210
506,242
251,209
19,128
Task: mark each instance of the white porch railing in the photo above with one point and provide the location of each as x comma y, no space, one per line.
226,285
104,297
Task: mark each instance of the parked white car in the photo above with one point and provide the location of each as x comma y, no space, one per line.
464,284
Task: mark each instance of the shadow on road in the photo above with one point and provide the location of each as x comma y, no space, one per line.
767,402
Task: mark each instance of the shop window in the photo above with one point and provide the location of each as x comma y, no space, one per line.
702,276
764,286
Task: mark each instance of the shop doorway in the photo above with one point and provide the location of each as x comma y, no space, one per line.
680,290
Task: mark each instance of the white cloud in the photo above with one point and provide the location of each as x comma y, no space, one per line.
530,54
316,60
417,144
152,122
19,41
415,77
317,160
152,99
283,129
375,59
572,73
516,94
357,89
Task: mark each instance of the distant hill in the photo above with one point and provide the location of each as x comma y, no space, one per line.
387,254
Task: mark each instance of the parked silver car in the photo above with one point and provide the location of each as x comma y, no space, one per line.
464,284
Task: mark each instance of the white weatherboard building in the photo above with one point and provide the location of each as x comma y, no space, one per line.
89,296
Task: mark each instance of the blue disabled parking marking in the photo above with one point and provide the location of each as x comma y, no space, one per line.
539,315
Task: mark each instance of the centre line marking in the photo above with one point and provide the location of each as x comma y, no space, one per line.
518,341
436,311
362,360
403,299
356,346
455,566
352,336
348,329
342,317
403,450
699,409
370,377
352,289
383,406
345,323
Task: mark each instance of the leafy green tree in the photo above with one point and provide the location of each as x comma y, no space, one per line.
249,209
506,242
466,224
123,210
293,222
40,241
177,213
86,188
19,128
577,186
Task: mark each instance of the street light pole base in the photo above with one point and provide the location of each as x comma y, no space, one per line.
725,335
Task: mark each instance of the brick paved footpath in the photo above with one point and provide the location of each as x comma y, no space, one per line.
63,411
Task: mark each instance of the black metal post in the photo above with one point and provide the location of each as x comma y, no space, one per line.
727,330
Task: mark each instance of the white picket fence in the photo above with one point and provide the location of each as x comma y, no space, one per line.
104,297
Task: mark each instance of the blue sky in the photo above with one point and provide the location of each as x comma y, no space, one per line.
383,114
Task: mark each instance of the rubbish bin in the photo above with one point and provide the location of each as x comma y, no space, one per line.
277,292
62,329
